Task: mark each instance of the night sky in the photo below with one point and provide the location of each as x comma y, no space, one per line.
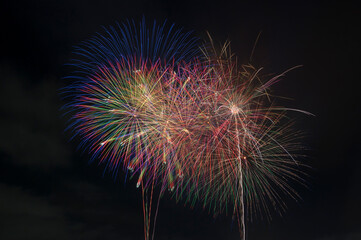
48,190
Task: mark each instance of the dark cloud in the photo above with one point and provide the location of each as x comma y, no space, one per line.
31,123
27,216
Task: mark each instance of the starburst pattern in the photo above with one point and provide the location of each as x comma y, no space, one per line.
193,122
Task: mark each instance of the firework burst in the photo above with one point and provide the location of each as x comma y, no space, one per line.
184,118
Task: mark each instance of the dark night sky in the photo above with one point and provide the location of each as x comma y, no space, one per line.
49,191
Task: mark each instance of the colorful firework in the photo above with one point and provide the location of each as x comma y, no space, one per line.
184,118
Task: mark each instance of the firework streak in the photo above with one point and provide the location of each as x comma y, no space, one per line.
183,118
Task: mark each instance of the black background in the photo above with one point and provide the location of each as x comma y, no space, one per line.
49,191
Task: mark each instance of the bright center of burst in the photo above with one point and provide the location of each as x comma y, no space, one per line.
234,109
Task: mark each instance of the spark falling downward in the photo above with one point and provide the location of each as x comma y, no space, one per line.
186,118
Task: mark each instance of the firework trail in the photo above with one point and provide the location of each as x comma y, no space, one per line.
183,117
